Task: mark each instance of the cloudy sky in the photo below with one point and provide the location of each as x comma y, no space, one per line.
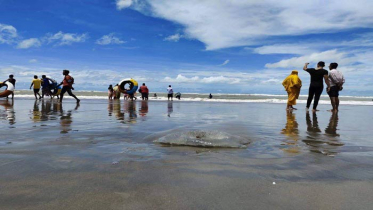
236,46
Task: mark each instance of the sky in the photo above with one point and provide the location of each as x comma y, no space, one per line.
197,46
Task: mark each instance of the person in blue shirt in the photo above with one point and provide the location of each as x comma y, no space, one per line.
46,87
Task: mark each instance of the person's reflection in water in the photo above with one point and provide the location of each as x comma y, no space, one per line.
292,133
36,114
331,130
8,113
144,108
117,110
45,110
312,125
314,137
110,107
66,118
324,144
170,108
130,108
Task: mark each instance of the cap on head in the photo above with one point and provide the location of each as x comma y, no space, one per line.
321,64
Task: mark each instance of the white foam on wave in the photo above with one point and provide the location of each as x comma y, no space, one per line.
198,99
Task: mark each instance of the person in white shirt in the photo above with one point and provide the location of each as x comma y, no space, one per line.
336,80
170,93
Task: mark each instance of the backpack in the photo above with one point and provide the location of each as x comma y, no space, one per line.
70,81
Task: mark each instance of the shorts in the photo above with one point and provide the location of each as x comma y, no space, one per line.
334,91
169,95
36,90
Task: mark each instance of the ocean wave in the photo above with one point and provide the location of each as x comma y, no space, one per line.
200,99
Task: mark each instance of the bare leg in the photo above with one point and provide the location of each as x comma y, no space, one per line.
337,104
333,102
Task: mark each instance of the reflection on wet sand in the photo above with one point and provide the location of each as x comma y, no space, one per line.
170,108
8,112
36,114
326,144
129,107
66,118
292,133
331,130
110,106
144,109
52,110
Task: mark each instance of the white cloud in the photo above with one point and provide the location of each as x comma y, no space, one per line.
27,43
109,39
196,79
182,79
225,63
297,49
239,23
7,34
272,81
173,38
33,61
220,79
61,38
326,56
121,4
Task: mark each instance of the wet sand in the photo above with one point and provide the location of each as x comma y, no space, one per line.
101,155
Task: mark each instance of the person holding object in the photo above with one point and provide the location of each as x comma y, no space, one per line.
336,80
316,86
45,85
67,85
13,81
292,85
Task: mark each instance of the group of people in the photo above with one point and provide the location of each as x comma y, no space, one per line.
46,86
115,93
334,80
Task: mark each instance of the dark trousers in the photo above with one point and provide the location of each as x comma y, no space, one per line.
68,90
314,91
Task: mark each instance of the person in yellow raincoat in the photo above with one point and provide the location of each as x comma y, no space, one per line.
292,85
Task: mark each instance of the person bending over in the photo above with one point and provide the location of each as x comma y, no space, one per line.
13,81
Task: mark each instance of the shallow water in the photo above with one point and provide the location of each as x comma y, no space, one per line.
100,141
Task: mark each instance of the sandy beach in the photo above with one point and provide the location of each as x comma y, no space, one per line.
102,155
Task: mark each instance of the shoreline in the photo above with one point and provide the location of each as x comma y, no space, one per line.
359,101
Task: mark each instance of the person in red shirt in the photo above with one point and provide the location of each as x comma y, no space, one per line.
67,85
144,92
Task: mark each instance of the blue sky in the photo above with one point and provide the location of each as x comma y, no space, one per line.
195,45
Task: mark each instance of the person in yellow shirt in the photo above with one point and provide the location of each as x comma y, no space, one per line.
292,85
37,85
